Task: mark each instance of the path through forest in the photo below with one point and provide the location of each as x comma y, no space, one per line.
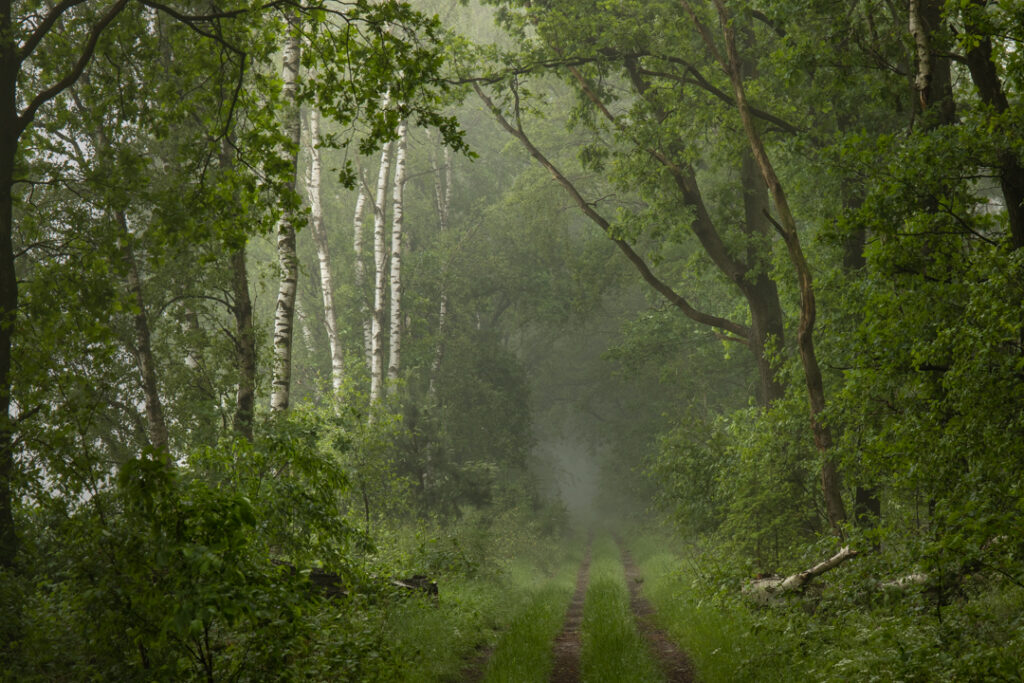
569,643
567,648
673,661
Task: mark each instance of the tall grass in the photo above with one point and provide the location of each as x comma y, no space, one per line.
613,649
524,652
516,609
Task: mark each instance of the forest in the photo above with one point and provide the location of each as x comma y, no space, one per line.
511,340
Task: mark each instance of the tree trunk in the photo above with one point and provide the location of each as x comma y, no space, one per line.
765,588
8,312
397,218
323,253
986,79
244,339
830,481
933,80
442,203
867,505
142,348
360,268
288,260
245,346
379,266
767,328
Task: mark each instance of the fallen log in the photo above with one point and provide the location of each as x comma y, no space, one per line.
765,588
417,582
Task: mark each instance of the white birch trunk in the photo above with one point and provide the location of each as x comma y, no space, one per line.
284,312
360,267
323,253
442,203
397,219
379,266
307,331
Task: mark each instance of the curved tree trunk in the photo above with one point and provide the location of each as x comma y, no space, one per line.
831,485
397,219
288,260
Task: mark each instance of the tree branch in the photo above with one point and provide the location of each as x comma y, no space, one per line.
44,27
76,71
741,331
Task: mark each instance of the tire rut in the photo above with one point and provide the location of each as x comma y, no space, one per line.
673,661
568,643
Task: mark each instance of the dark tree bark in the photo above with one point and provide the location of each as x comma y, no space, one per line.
986,79
12,124
245,347
141,347
762,294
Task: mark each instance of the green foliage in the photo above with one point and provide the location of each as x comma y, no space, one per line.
850,629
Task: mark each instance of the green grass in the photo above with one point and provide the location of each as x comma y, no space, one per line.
517,610
713,636
524,652
613,649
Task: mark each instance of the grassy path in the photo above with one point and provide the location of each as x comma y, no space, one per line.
606,634
569,643
613,648
675,665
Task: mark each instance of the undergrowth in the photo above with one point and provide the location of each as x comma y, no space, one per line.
846,629
507,593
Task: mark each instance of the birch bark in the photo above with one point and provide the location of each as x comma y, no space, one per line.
379,280
323,253
442,203
397,220
288,261
360,266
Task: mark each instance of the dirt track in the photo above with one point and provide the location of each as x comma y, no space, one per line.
568,643
673,661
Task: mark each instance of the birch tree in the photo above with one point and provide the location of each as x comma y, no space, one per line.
288,261
397,219
360,267
323,253
442,203
379,277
